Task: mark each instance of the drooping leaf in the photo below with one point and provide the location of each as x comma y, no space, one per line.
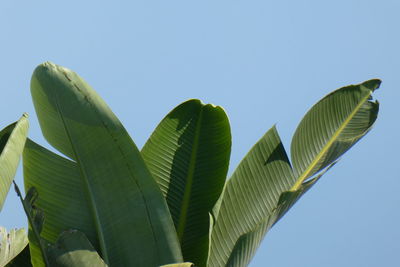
105,189
12,141
73,249
188,155
261,191
12,243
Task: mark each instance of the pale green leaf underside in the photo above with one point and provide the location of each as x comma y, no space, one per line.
73,249
264,186
12,140
11,244
188,155
120,207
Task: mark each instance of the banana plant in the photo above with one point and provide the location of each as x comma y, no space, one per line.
188,155
105,203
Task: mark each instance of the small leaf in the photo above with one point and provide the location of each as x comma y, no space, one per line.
73,249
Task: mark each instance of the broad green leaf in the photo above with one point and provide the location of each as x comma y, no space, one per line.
74,249
12,243
250,196
188,154
104,189
12,141
248,208
331,127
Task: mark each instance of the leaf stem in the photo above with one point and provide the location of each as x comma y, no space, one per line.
28,210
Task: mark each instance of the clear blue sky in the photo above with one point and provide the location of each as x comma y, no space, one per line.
265,62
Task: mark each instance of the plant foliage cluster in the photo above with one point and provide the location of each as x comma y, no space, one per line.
104,202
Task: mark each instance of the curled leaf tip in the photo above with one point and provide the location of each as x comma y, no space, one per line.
372,84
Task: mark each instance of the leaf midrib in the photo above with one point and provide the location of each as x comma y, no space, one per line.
189,184
325,149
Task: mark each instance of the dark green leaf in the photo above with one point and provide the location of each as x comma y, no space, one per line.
188,154
73,249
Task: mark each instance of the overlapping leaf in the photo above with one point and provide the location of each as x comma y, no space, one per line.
105,189
188,154
12,141
73,249
250,196
264,186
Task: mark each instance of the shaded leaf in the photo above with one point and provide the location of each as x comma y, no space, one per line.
12,141
23,259
74,249
188,154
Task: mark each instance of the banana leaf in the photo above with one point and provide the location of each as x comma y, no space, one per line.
73,249
265,185
101,185
188,155
12,141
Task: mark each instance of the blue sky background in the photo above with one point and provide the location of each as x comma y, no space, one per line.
265,62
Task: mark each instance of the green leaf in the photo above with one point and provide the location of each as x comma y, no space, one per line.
11,244
105,189
331,127
188,154
250,196
74,249
247,244
12,141
264,186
